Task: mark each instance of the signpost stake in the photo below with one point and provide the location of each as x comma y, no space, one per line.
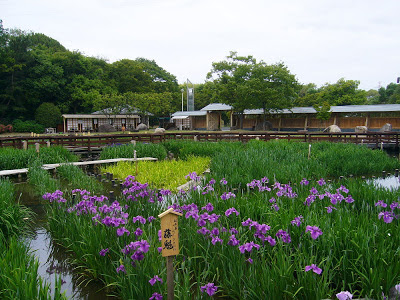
170,245
136,161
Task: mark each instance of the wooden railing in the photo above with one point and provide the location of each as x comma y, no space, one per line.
96,141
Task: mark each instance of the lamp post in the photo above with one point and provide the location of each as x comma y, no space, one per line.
182,90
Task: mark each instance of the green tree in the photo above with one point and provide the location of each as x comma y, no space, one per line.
161,80
244,83
343,92
48,115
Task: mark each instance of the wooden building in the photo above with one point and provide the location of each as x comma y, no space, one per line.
208,118
91,122
347,117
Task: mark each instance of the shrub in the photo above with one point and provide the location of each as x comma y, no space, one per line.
48,115
27,126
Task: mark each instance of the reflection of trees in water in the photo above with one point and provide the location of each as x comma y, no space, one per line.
56,260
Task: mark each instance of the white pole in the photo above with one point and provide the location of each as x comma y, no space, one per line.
309,151
182,98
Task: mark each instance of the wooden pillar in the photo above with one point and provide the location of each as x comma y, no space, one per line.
280,124
207,119
334,120
64,125
231,118
367,121
305,123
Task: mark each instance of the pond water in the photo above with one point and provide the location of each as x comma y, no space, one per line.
53,258
389,182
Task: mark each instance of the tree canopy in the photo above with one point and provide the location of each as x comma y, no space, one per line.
35,69
244,83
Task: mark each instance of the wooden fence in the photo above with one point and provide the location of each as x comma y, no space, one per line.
98,141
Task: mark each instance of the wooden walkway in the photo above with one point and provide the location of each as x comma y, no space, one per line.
79,163
96,142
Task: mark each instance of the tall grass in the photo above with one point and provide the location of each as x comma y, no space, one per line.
11,158
161,174
288,161
183,149
77,179
13,217
19,277
127,151
40,178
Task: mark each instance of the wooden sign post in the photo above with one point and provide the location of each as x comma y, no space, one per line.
170,244
136,161
37,147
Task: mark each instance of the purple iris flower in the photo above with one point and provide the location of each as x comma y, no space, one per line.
223,181
216,239
121,268
208,207
381,204
138,232
344,295
153,280
230,211
387,216
321,182
209,288
140,219
315,231
330,208
249,260
297,221
156,296
349,199
275,207
103,252
233,241
314,268
227,195
233,230
304,181
394,205
215,231
248,247
122,230
284,236
203,231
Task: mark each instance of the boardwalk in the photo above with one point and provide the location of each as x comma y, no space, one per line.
96,142
79,163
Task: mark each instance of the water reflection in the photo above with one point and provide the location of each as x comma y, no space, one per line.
389,182
53,258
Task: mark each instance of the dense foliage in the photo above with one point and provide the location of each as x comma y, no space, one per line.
11,158
35,68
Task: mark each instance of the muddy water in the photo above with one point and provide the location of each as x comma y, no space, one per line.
53,258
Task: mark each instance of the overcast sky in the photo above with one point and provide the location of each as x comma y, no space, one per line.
319,40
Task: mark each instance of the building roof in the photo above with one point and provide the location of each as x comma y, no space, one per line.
334,109
193,113
91,116
217,107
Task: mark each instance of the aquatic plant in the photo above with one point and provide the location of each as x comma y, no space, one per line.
161,174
